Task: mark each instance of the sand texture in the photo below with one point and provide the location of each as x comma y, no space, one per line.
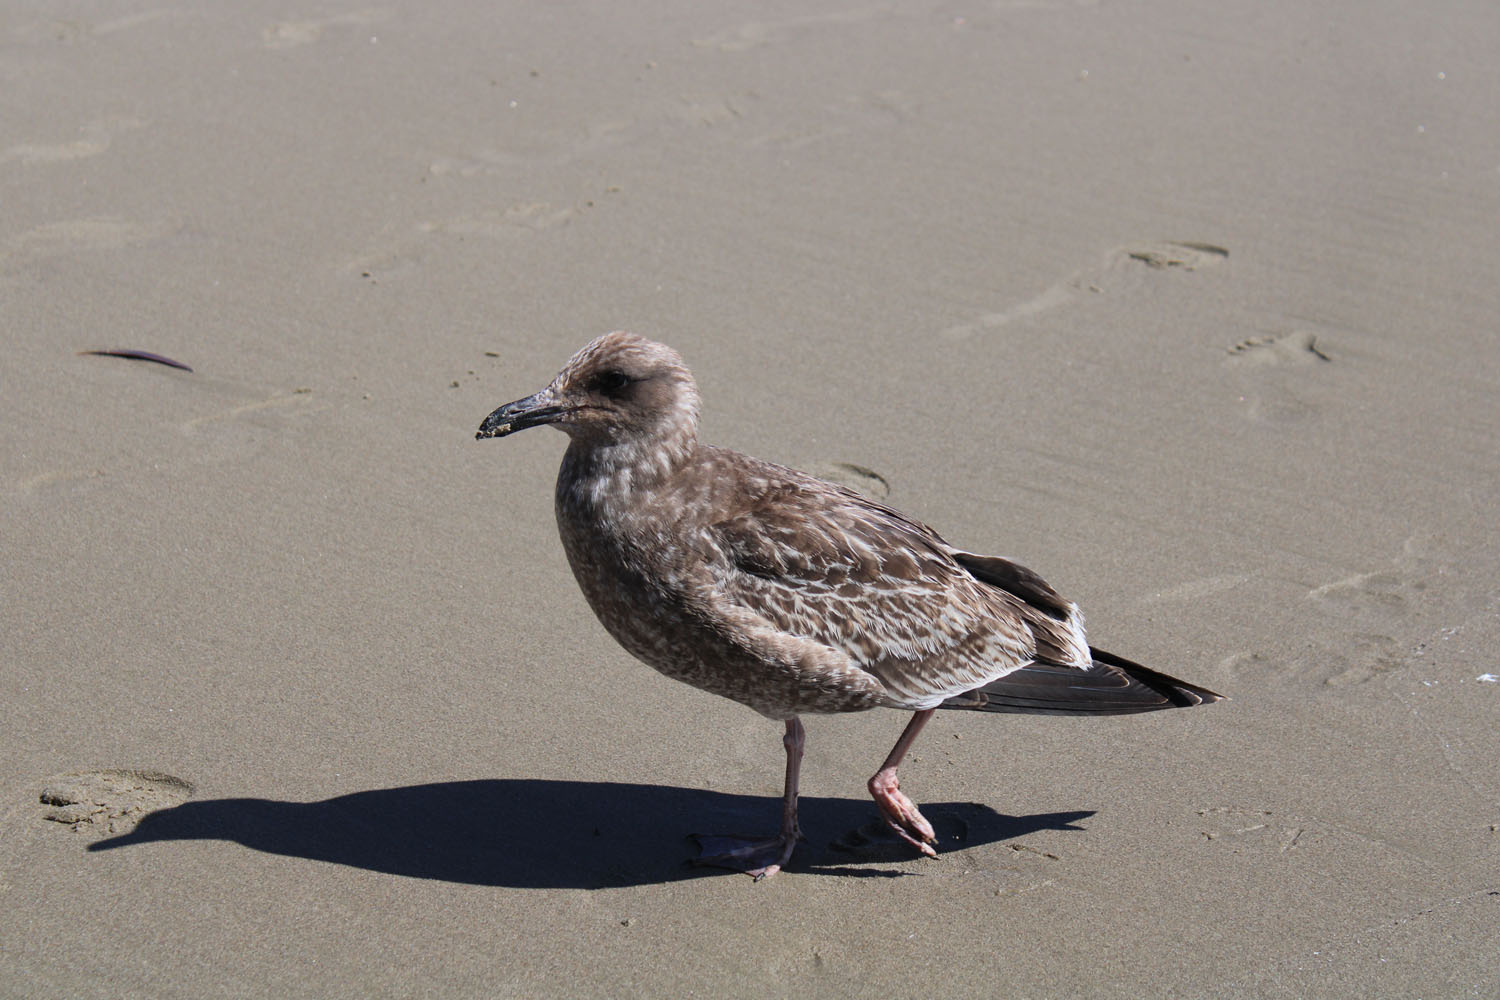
1191,307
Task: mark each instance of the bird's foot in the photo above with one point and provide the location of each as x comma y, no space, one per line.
758,857
901,813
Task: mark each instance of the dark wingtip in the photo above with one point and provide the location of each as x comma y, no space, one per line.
1179,692
1115,686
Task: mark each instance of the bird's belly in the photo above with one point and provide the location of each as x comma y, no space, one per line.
660,631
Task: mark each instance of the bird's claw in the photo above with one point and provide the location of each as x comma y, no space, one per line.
901,813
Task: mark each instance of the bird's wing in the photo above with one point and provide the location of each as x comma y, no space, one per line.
826,564
1115,686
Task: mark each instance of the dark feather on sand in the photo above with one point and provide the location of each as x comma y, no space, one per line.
134,355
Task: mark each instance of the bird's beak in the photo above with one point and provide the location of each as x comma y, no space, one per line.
539,408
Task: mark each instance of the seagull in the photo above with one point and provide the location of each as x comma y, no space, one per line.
792,595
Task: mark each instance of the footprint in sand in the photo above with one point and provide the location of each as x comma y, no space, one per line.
481,164
1053,297
875,841
1121,271
1371,621
854,113
74,30
1362,658
1271,400
866,482
549,147
1300,347
290,34
753,34
707,110
109,801
1367,613
92,139
69,236
527,216
404,254
255,423
1261,829
1370,596
1251,665
57,482
1185,256
1348,659
1364,606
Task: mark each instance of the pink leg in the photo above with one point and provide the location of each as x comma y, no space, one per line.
762,857
899,811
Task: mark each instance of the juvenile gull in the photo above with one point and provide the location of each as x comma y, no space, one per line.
792,595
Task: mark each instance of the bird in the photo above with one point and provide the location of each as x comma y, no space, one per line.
792,595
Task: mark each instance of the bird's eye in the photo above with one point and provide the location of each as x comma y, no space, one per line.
611,382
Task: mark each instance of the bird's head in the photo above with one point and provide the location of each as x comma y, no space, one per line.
620,388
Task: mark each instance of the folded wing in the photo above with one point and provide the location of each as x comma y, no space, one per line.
928,621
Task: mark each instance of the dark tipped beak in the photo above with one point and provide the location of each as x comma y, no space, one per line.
539,408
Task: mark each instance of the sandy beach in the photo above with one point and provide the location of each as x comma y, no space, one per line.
1190,307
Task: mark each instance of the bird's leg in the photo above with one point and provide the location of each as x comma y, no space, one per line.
899,811
762,857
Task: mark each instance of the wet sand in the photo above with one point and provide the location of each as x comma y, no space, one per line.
1192,309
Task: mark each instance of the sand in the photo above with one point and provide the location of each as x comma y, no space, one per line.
1190,307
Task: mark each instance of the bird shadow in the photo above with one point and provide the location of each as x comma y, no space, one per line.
531,833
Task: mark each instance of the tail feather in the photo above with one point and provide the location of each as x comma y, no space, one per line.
1113,686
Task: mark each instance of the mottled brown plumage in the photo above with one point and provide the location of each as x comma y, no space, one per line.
792,595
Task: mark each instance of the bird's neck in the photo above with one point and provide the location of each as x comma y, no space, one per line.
600,476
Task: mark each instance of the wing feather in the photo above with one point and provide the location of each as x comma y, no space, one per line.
929,622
